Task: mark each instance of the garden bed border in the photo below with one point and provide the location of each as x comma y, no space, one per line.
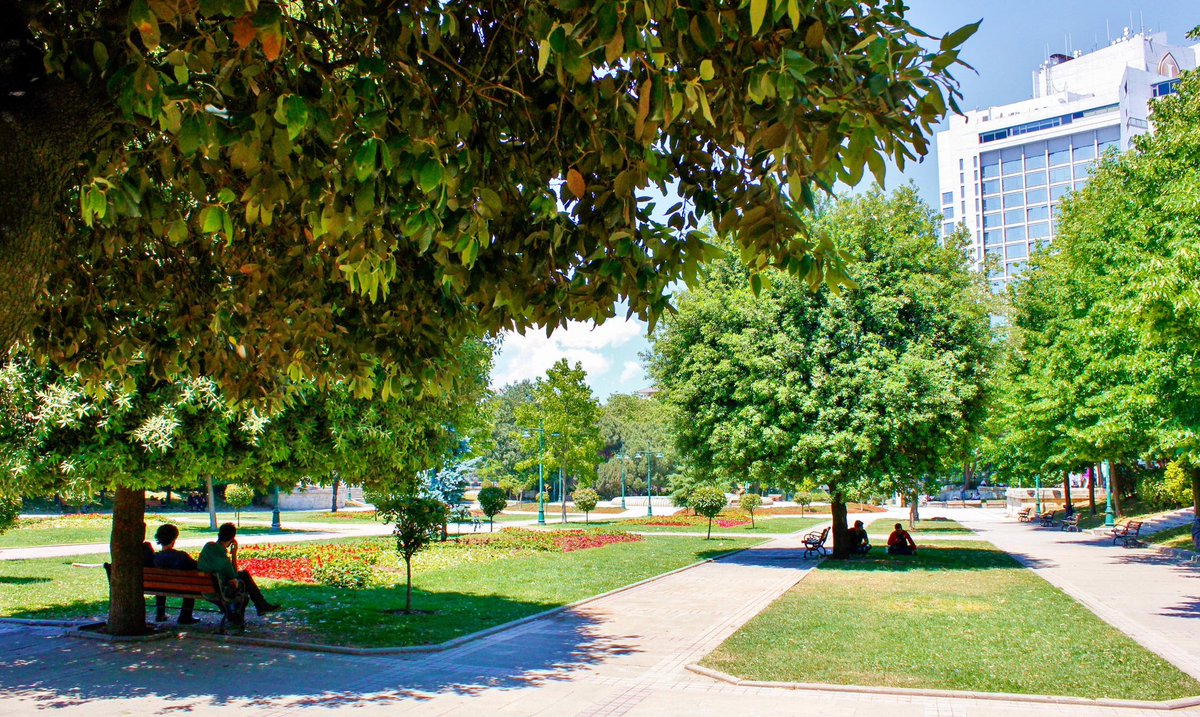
86,629
1167,705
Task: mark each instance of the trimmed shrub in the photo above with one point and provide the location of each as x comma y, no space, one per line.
585,500
492,500
238,496
750,502
343,574
709,502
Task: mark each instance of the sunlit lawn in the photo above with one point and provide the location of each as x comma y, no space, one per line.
70,530
762,526
960,616
1179,538
462,598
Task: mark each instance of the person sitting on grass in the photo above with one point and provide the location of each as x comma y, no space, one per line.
220,557
168,558
900,542
860,544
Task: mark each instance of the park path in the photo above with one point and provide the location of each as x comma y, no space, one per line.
623,654
1147,595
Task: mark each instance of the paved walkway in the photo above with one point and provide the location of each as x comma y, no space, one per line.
1150,597
620,655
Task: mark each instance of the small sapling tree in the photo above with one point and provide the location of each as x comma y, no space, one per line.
238,496
492,500
417,522
804,499
750,502
709,502
586,500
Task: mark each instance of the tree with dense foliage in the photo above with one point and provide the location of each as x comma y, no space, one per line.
864,391
10,510
708,502
564,407
585,500
750,502
505,454
169,172
1100,365
416,522
635,426
491,501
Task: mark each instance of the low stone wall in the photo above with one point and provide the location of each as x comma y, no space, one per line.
315,498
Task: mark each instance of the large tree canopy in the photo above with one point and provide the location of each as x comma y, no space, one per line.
261,191
869,390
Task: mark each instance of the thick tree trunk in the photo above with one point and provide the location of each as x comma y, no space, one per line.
914,513
1114,484
212,503
1066,488
1195,471
126,606
1091,473
838,512
336,481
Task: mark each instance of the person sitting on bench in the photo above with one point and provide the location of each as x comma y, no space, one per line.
860,544
900,542
215,559
168,558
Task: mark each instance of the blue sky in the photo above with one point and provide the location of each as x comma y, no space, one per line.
1011,43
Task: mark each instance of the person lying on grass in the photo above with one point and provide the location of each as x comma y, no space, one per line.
900,542
215,559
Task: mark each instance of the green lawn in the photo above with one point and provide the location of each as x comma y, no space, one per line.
763,526
959,616
463,597
1179,538
39,532
883,528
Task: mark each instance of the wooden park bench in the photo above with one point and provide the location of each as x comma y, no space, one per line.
1127,533
814,543
1047,518
1025,515
1070,524
183,584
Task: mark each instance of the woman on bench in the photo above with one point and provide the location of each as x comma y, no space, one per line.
169,558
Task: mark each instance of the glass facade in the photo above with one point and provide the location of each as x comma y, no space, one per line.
1021,188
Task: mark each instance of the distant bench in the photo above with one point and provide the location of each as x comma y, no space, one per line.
1127,533
191,584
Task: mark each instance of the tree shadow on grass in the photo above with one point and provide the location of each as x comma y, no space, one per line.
932,557
11,580
55,671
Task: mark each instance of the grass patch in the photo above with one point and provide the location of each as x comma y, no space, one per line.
94,528
460,596
932,526
957,616
693,524
1179,538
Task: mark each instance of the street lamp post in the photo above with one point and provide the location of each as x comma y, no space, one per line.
1109,517
275,526
1037,492
622,458
650,454
541,431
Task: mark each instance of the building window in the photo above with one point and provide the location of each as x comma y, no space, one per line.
993,237
947,197
1060,174
1037,214
1016,251
1016,199
1035,179
1014,234
1040,230
1014,182
991,204
1036,196
991,221
1014,216
1083,170
1059,191
948,212
992,186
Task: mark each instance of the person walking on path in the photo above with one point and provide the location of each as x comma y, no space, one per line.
220,557
168,558
900,542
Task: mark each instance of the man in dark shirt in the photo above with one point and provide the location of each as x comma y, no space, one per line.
168,558
220,557
860,544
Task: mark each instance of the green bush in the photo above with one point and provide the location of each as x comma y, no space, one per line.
709,502
10,508
492,500
343,574
238,496
1170,489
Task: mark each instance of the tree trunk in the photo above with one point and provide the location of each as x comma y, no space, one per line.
709,536
1066,488
167,503
336,481
1195,471
408,583
968,476
212,503
1092,489
1114,485
838,512
914,514
126,606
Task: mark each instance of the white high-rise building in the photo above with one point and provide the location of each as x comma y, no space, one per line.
1004,169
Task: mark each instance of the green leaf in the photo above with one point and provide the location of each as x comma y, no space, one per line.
706,70
296,115
364,159
959,36
100,54
543,55
758,12
430,176
191,135
211,220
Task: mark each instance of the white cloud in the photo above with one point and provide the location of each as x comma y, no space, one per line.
631,371
528,356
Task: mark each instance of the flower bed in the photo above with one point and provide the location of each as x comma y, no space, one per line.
297,570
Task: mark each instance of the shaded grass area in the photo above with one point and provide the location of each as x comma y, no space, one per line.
39,532
934,526
957,616
460,599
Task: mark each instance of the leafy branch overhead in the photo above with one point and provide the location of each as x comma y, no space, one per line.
262,191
